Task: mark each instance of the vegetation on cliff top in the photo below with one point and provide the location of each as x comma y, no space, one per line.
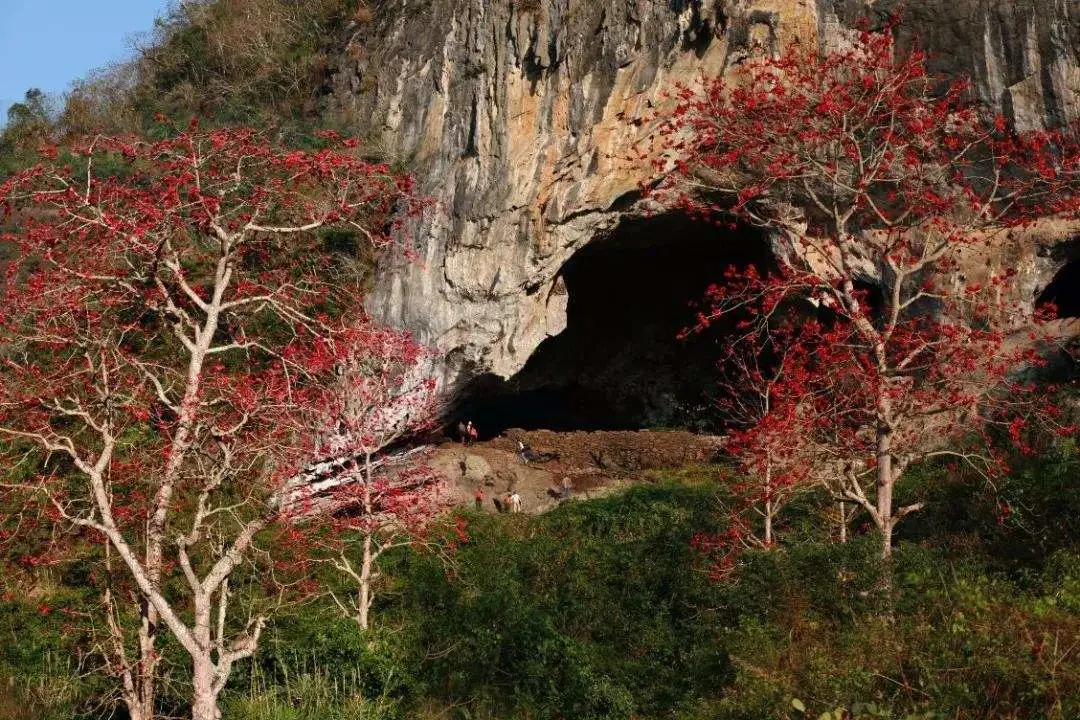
260,63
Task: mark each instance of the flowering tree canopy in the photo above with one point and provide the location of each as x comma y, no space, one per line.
174,338
881,187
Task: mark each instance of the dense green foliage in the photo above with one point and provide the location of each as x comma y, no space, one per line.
565,615
29,123
602,609
257,63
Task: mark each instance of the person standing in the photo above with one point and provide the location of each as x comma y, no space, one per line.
515,502
479,497
567,488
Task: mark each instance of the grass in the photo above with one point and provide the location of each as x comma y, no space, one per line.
311,691
54,691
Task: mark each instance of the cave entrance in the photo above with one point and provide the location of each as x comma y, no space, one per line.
619,364
1064,291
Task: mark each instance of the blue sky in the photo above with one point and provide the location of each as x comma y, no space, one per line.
48,43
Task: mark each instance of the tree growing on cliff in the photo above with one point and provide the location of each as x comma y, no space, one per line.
173,334
882,188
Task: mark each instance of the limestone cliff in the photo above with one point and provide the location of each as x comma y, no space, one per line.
518,116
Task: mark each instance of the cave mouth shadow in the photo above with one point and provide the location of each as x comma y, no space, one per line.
1063,291
620,364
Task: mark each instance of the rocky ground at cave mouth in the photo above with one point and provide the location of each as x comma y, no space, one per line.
596,463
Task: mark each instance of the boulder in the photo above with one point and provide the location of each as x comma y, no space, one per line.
475,470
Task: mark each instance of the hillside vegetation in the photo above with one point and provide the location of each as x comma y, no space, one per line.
656,602
260,63
603,609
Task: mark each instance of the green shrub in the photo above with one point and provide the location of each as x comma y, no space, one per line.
602,610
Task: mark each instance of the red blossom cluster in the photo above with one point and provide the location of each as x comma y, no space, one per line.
887,338
861,137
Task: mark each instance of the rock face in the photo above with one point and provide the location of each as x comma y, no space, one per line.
519,117
1023,56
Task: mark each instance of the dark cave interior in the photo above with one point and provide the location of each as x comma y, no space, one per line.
620,364
1064,291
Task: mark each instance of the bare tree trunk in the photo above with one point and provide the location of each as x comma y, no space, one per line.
768,523
768,504
149,618
146,672
204,673
364,601
843,522
204,696
884,483
136,707
138,694
367,564
137,678
155,537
